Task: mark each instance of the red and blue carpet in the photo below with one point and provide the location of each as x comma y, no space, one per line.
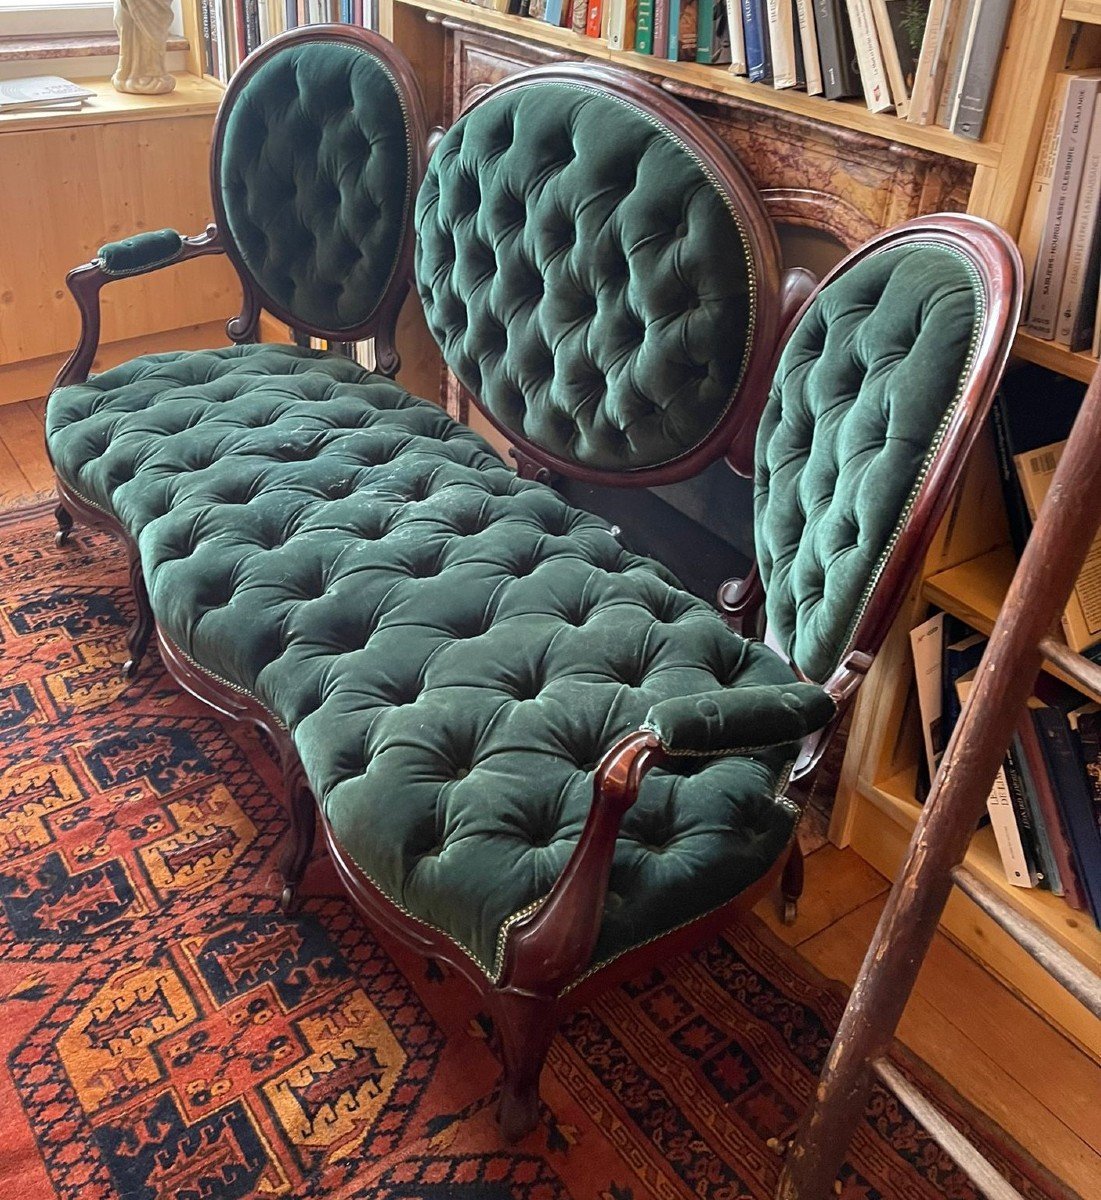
168,1035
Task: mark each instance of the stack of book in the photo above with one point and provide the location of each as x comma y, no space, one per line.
232,29
1060,236
1045,806
42,93
932,61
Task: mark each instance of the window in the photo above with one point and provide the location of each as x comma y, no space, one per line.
23,18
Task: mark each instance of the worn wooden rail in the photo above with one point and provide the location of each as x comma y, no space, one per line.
1043,581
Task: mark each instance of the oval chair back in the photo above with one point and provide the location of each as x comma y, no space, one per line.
600,275
319,148
881,391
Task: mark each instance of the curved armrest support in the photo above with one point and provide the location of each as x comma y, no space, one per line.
549,947
741,603
739,720
139,255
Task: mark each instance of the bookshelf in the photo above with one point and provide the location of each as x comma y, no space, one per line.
458,48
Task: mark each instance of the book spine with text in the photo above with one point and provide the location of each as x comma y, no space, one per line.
1007,835
808,36
929,72
835,46
781,40
593,19
892,60
705,36
981,69
873,77
1079,296
758,61
661,28
671,50
1024,799
1032,225
958,39
644,29
737,37
1051,260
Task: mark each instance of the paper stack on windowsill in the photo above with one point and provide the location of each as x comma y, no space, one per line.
46,93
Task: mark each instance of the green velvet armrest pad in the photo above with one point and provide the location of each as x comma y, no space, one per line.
140,252
736,720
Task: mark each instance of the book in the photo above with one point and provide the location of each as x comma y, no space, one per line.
713,42
41,91
1018,861
980,69
1051,259
1085,725
594,18
873,75
737,37
781,40
672,48
808,40
661,27
927,648
840,78
617,20
1050,819
1072,795
959,38
962,650
1081,618
1033,407
644,27
1078,302
757,54
1032,224
1026,809
900,25
932,62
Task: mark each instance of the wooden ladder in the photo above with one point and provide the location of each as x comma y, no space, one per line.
1020,642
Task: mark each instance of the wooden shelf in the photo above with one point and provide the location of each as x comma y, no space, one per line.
1082,10
192,96
848,114
974,591
1079,366
1071,929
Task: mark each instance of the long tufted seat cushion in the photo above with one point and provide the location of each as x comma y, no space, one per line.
585,276
315,180
452,648
861,400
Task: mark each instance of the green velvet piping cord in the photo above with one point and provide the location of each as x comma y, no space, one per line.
736,720
140,252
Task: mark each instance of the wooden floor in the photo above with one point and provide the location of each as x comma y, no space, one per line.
989,1045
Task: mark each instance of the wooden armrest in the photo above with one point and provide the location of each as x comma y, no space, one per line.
126,260
550,947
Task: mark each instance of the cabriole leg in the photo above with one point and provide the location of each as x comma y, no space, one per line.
791,883
64,520
302,810
137,640
525,1028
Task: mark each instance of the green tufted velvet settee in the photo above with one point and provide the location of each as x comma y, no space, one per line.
534,755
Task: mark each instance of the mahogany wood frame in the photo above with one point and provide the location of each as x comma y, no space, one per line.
545,970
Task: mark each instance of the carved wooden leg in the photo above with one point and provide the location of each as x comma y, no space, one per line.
64,520
302,810
137,640
791,883
525,1027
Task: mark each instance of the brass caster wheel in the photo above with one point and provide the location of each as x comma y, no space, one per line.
287,900
61,537
129,668
791,911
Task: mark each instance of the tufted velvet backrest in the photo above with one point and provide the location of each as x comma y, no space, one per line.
598,272
318,151
879,393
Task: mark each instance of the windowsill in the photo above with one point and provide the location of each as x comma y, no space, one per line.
18,48
193,96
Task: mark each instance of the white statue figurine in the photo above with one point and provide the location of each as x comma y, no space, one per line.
143,32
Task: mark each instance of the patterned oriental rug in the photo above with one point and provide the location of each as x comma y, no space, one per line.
168,1035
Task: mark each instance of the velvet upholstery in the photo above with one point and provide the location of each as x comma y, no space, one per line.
451,648
739,720
315,178
585,277
861,399
139,252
